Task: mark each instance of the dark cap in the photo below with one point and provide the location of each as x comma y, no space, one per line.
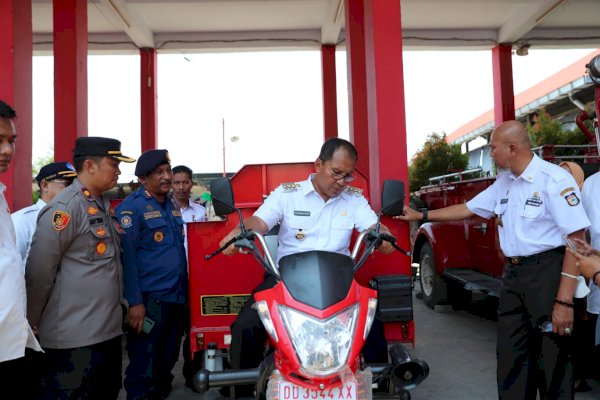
100,147
150,160
57,170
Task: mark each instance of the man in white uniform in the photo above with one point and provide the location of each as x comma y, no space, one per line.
535,204
190,212
51,179
319,213
15,333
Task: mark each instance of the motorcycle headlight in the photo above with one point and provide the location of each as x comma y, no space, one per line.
265,316
370,316
322,346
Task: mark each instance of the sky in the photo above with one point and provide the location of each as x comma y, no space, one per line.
270,102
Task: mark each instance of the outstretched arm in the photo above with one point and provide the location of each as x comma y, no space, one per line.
452,213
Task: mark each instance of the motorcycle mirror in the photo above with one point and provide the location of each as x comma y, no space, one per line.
392,197
222,196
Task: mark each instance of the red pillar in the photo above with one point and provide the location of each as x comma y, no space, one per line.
70,76
357,81
504,97
149,123
16,51
385,95
330,123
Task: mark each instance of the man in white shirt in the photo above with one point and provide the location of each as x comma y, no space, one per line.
15,333
190,212
51,179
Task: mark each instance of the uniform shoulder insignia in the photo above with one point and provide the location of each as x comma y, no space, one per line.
87,194
60,220
290,187
354,191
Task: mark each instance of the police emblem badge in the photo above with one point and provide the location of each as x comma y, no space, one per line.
126,222
158,237
92,210
300,235
100,231
60,220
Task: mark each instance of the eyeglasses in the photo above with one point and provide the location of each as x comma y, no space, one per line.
339,176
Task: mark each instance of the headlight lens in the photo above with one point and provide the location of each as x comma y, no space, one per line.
322,346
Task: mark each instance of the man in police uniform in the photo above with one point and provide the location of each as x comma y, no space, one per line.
319,213
51,179
156,285
535,204
74,279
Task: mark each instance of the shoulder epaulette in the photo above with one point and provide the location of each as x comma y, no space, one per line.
354,191
290,187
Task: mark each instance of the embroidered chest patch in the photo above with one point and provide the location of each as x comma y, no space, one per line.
534,201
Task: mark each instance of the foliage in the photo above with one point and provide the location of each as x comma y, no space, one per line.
435,158
547,130
35,168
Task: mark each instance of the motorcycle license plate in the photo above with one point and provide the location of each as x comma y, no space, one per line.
290,391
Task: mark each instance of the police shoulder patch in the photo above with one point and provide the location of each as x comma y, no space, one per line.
354,191
126,221
60,220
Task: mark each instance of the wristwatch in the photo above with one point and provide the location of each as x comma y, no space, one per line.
424,211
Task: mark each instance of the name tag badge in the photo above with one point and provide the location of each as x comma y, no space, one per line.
302,213
503,201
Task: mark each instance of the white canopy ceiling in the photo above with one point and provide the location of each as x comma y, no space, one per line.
211,25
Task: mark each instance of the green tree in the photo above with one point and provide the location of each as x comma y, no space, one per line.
435,158
547,130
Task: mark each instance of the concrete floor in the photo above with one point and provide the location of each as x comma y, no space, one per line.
458,345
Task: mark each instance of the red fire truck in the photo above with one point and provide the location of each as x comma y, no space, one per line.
465,255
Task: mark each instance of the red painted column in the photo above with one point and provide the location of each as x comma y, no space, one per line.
504,96
330,123
149,115
16,51
70,76
385,95
357,81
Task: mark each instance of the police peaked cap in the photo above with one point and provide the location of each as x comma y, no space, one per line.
150,160
96,146
56,170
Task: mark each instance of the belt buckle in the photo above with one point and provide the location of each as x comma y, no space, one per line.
515,261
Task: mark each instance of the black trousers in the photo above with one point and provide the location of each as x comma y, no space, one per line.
90,372
529,360
153,355
248,336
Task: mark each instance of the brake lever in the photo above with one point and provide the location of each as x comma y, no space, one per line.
220,249
392,240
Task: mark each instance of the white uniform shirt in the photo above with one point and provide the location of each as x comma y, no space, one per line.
194,212
15,333
25,221
534,210
307,222
591,202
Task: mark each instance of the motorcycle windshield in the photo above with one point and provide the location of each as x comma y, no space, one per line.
317,278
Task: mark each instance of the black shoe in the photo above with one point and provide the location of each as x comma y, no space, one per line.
190,384
583,387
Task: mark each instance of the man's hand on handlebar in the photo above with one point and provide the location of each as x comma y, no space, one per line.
230,250
385,247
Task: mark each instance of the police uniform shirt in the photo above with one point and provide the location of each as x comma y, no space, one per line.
15,332
590,195
25,221
154,260
307,222
74,273
533,210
